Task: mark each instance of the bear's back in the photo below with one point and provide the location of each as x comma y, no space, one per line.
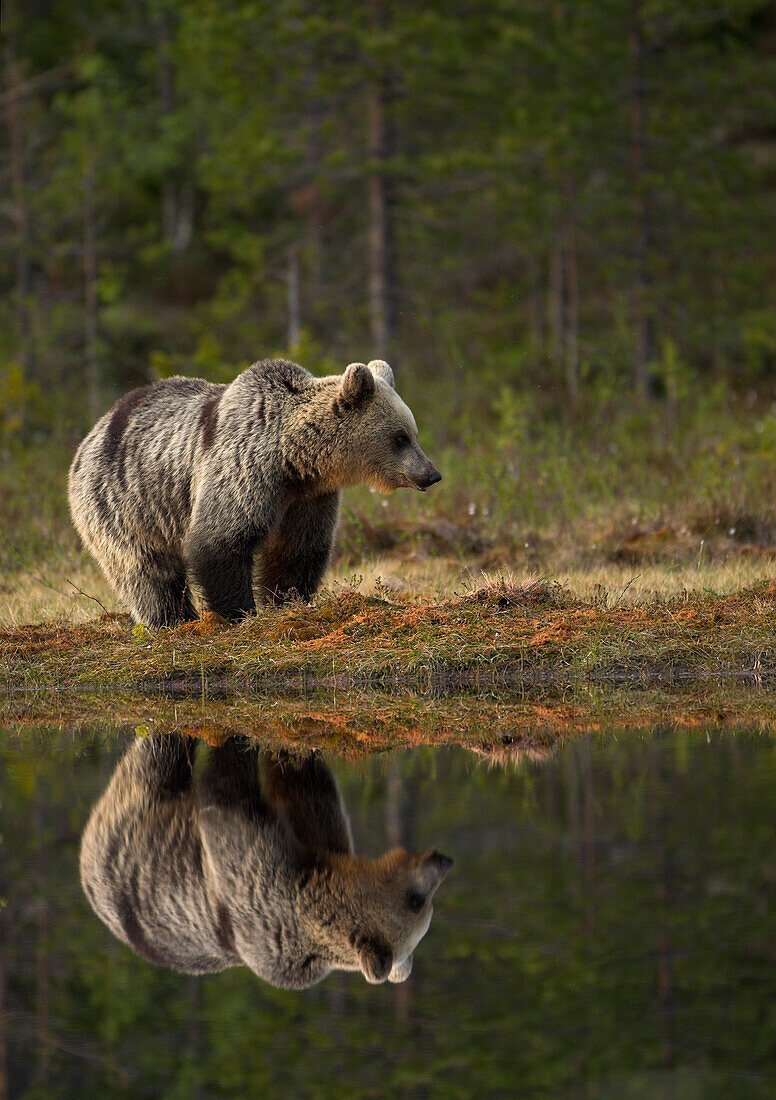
133,470
153,422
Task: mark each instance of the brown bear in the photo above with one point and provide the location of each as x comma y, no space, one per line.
248,861
185,482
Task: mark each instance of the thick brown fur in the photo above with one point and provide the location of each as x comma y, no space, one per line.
188,492
248,862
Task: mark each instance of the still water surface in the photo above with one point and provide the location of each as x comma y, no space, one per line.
607,928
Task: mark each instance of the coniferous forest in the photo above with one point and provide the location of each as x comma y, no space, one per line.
572,197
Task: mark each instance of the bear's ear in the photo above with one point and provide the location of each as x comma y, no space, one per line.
376,958
380,369
358,385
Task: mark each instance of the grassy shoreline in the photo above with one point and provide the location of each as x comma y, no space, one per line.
661,541
501,633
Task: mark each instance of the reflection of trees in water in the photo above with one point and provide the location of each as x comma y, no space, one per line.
581,819
657,808
590,839
609,916
513,753
42,947
196,1051
3,1017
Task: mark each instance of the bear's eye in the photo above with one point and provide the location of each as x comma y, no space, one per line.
415,901
401,439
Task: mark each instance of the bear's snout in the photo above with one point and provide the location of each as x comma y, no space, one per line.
433,478
427,479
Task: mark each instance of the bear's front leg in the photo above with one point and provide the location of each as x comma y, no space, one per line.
306,793
223,572
230,779
159,766
296,557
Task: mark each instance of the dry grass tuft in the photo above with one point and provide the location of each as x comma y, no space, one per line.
510,750
504,591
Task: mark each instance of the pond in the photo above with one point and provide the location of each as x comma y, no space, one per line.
606,928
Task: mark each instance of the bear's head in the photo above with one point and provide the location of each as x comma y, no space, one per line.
375,432
385,911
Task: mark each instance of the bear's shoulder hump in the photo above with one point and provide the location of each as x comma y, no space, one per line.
277,374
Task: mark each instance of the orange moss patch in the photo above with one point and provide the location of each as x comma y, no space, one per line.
210,623
59,637
551,633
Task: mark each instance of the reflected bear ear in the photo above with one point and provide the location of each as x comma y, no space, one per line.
433,869
358,386
381,370
376,958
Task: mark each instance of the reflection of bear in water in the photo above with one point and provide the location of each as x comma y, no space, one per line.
249,861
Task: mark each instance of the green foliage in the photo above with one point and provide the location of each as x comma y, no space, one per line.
221,140
22,407
758,332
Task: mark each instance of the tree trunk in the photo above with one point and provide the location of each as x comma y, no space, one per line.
535,318
644,342
90,288
294,313
382,290
571,327
314,213
20,211
177,197
718,357
556,311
